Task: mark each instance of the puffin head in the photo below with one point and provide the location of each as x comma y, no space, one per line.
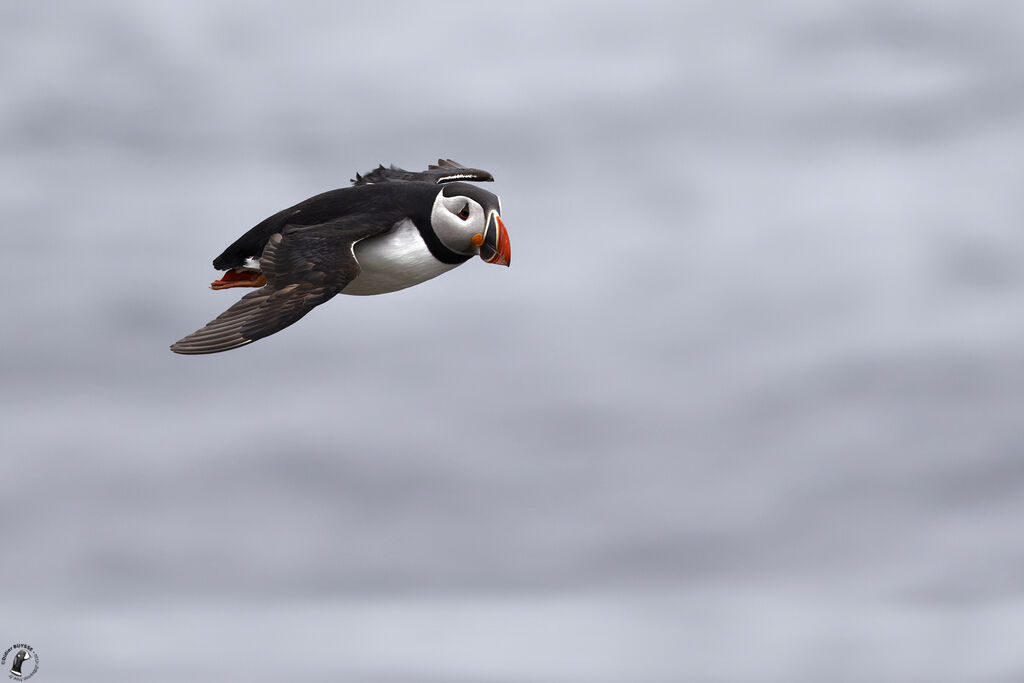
467,220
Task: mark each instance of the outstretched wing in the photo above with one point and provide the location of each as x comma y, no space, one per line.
305,266
444,171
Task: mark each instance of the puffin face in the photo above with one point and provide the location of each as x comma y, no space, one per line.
467,220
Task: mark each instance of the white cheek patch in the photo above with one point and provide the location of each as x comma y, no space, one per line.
454,232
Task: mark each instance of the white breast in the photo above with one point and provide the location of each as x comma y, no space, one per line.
394,260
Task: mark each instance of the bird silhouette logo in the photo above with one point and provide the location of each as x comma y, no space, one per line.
23,660
19,659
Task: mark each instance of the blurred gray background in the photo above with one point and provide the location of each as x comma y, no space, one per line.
746,407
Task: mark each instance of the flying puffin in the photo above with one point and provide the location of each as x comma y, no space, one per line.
390,230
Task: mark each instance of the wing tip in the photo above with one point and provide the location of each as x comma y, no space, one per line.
444,171
185,347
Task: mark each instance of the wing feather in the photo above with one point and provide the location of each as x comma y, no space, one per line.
444,171
304,266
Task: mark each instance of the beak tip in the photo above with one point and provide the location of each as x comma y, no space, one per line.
502,251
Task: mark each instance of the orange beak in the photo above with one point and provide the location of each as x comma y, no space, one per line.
495,248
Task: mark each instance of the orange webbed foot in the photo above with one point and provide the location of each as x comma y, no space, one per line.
239,278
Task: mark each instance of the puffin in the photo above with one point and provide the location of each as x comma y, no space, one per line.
391,229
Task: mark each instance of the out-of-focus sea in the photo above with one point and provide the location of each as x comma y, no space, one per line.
747,406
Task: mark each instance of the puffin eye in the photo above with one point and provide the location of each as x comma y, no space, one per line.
464,214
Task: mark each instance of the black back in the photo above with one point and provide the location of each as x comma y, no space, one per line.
383,196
